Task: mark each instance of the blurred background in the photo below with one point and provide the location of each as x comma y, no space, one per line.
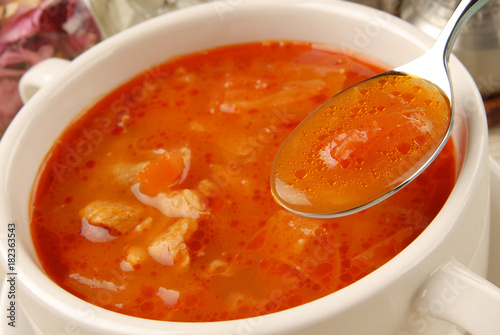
33,30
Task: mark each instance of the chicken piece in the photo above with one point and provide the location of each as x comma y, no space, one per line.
95,283
95,234
208,188
126,266
169,248
117,218
285,230
298,229
144,225
179,203
135,256
169,297
88,284
219,267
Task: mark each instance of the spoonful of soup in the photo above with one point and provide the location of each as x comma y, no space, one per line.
373,138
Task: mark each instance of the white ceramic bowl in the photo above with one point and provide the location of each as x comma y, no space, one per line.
388,301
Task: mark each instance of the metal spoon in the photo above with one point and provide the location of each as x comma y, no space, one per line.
429,71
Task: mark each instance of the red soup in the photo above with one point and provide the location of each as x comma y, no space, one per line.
156,202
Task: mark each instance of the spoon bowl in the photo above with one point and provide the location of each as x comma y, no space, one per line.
329,175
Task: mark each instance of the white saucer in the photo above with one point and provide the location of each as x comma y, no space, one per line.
24,326
494,264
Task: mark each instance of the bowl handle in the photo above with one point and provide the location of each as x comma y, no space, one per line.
39,75
456,294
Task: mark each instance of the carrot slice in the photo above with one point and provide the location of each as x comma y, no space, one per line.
162,173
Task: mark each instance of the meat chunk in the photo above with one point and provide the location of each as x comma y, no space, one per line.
170,248
117,218
219,267
95,234
144,225
95,283
179,203
169,297
135,256
208,188
285,230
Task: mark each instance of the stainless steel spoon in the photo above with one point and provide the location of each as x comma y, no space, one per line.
430,69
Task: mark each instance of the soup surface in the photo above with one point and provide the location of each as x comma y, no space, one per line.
156,202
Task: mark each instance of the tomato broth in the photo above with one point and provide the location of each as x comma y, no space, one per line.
156,202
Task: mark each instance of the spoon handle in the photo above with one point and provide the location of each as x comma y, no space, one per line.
433,65
446,39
